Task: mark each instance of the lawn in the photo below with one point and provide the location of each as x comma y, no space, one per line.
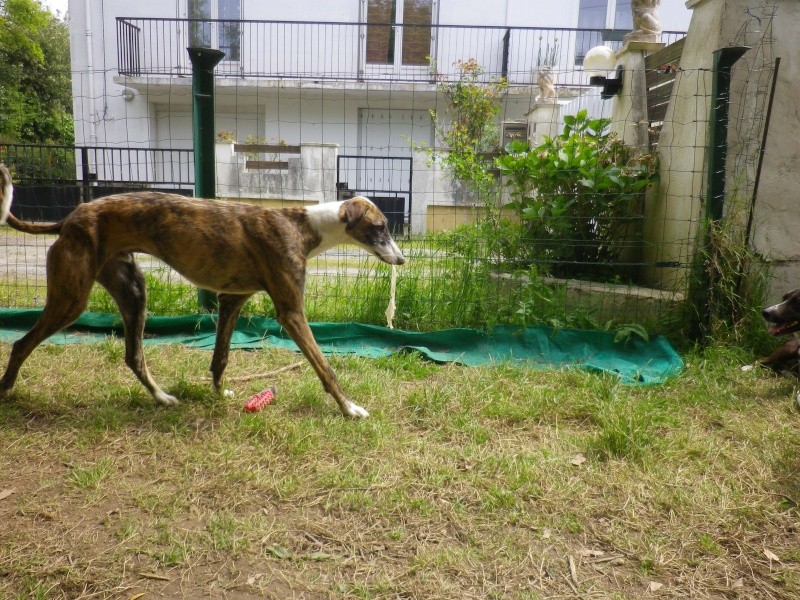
482,483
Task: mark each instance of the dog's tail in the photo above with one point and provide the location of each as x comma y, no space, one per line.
6,217
8,193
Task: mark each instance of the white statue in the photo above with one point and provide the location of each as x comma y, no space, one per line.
646,24
545,80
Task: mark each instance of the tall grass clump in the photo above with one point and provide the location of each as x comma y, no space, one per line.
729,285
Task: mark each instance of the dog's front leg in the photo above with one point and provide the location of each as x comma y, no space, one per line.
294,321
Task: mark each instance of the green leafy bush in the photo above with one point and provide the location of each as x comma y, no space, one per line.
579,196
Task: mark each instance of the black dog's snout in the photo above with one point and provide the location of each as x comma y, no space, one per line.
765,313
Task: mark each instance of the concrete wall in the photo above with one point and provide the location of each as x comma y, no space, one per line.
676,206
310,175
777,209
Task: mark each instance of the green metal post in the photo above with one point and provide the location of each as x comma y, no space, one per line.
205,184
724,59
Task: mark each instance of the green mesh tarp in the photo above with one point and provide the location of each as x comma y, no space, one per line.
635,361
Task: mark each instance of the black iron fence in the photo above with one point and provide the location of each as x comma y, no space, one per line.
358,51
50,180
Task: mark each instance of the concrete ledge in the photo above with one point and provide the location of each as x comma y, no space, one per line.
605,301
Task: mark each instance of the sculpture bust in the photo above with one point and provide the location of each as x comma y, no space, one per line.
545,80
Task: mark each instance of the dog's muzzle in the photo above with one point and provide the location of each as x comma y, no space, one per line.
390,254
393,259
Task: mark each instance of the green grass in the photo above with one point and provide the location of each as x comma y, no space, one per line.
464,483
436,289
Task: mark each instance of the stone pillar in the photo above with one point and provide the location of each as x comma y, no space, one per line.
543,120
318,171
226,169
674,207
629,108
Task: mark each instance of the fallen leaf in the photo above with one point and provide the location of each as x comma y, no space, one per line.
6,493
739,583
279,552
771,555
578,460
137,596
321,556
655,586
586,552
253,578
547,533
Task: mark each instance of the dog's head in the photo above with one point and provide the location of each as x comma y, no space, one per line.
368,228
784,317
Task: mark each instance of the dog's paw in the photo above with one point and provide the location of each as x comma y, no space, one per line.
746,368
354,411
166,399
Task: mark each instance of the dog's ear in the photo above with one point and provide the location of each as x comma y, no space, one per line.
354,211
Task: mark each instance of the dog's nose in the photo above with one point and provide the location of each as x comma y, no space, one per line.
765,313
400,260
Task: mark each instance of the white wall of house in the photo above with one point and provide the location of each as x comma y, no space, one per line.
154,111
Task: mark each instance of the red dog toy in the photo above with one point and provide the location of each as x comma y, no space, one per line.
260,399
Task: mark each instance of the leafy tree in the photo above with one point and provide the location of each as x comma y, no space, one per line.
35,87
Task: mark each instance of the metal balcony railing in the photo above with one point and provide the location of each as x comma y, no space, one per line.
357,51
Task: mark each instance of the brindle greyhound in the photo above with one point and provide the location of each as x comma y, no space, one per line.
234,249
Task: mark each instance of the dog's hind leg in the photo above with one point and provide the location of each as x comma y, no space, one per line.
230,305
125,282
69,282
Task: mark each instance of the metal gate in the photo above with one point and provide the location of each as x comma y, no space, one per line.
386,180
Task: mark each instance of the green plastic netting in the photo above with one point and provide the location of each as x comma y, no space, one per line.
635,362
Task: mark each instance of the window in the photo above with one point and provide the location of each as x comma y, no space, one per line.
399,29
224,35
623,17
591,15
418,17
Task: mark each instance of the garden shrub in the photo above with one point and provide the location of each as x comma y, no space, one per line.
579,197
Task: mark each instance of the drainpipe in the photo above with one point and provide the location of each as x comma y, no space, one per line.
87,10
205,182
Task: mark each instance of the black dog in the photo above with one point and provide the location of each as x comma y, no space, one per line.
784,318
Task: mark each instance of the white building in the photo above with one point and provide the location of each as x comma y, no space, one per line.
355,78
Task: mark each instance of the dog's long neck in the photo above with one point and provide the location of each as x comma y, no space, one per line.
326,220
